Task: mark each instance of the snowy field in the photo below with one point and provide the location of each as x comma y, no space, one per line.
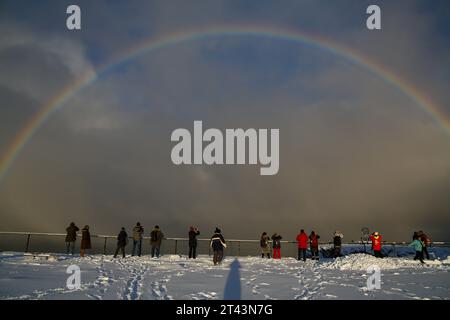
43,276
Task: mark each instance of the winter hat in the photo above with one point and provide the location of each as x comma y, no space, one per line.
217,230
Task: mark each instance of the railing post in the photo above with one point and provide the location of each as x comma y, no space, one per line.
176,245
28,243
239,248
104,246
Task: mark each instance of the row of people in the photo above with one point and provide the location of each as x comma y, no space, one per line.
218,244
156,237
302,242
420,243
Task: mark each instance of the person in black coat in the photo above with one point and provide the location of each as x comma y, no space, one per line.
193,233
122,241
85,240
71,237
337,242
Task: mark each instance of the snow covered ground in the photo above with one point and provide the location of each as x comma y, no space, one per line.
25,276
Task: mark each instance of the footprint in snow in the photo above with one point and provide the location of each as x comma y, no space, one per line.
255,290
303,295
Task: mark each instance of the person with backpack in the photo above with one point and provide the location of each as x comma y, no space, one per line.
193,233
418,245
426,243
264,244
71,237
138,232
217,244
85,240
276,245
122,241
156,237
302,242
376,244
314,245
337,242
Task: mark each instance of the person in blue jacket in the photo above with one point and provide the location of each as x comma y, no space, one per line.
418,245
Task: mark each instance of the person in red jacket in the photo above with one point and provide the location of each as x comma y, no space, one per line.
302,240
314,245
376,244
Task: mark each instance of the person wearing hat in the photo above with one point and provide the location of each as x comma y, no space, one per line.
376,244
217,244
122,241
337,243
71,237
276,244
138,232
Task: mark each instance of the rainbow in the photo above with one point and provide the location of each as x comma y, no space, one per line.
148,46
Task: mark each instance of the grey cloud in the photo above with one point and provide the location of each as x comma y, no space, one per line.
355,153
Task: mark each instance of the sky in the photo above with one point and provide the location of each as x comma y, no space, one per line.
355,151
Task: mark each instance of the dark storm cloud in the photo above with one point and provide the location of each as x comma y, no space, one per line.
16,109
27,74
354,151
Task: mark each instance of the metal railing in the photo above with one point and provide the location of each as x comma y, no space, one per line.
173,245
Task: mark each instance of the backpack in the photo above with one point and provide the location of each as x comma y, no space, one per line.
262,243
154,235
337,241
